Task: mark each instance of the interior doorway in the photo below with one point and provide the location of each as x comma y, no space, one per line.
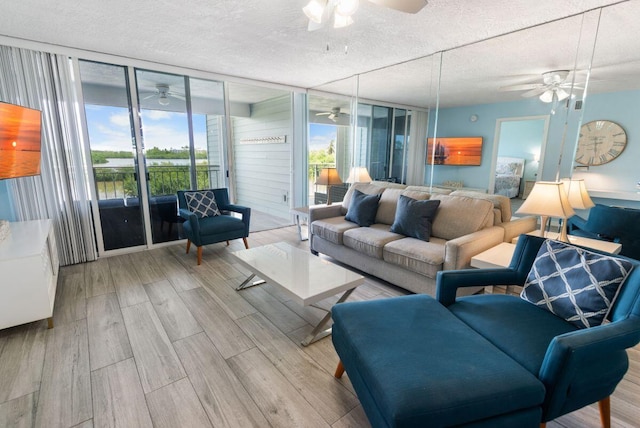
518,154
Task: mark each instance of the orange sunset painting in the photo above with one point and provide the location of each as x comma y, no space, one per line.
19,141
455,151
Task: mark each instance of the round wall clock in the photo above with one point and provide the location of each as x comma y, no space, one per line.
600,142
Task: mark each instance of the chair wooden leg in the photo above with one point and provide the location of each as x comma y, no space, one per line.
246,244
339,370
199,255
227,243
543,424
605,412
188,246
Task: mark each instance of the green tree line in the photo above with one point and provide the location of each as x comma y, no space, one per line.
101,156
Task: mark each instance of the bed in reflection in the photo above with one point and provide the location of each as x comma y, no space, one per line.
508,176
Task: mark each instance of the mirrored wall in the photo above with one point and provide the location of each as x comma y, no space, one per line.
505,112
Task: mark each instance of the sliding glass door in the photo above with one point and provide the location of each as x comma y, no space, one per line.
151,134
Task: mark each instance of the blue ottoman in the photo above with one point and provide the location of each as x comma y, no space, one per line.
414,364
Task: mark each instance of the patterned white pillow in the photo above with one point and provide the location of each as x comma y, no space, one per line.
202,204
575,284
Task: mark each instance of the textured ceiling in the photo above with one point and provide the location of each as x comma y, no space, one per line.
267,40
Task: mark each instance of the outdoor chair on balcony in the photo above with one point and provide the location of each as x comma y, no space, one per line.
208,219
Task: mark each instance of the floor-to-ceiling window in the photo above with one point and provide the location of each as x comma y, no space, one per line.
151,134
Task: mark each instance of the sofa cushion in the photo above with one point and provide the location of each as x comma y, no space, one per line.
202,203
425,258
332,229
367,188
460,215
530,329
413,218
362,209
500,202
430,189
575,284
370,240
387,206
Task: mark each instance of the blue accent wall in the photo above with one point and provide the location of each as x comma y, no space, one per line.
621,174
523,139
6,205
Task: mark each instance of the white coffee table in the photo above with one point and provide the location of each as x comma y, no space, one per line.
305,278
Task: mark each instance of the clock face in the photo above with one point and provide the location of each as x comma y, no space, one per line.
601,141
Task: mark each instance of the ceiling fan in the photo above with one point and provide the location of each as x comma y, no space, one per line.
163,92
320,12
555,86
332,115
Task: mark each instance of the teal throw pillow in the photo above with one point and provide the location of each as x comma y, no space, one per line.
575,284
414,218
362,208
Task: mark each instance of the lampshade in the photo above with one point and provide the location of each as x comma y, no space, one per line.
577,194
329,177
548,199
359,174
315,9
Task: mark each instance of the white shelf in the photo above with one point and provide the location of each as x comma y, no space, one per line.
29,271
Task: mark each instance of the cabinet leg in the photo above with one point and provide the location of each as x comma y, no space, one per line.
50,322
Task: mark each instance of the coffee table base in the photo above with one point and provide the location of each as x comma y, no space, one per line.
319,331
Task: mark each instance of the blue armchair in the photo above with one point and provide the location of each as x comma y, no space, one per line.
616,224
217,228
489,360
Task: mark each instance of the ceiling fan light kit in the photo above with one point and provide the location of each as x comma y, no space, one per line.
320,12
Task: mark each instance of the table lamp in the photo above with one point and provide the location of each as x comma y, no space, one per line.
577,193
548,199
359,174
328,177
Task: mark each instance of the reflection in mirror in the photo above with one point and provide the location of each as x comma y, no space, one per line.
330,140
522,74
394,105
606,158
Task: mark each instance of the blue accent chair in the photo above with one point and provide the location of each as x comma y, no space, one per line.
210,230
489,360
616,224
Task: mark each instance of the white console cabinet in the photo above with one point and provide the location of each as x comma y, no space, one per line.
28,273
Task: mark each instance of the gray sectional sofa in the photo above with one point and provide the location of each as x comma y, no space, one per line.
466,223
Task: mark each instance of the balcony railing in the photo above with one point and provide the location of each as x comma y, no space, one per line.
121,182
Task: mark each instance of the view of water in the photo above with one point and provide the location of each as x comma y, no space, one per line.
119,162
17,163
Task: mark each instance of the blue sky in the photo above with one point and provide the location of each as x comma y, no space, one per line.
321,135
109,129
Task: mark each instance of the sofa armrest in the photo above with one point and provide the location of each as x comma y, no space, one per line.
448,282
244,211
576,222
517,227
458,252
191,218
594,356
319,213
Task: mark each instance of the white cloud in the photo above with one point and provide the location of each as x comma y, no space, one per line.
120,119
318,142
155,114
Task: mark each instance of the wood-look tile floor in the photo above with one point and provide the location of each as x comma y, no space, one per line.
152,339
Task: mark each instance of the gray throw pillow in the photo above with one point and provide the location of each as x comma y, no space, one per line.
414,218
362,209
202,204
575,284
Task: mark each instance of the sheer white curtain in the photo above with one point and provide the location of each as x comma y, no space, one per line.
45,82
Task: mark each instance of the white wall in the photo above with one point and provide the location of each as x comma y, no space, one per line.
262,171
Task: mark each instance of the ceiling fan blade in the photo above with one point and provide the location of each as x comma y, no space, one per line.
408,6
332,116
313,26
323,114
523,87
535,92
150,96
